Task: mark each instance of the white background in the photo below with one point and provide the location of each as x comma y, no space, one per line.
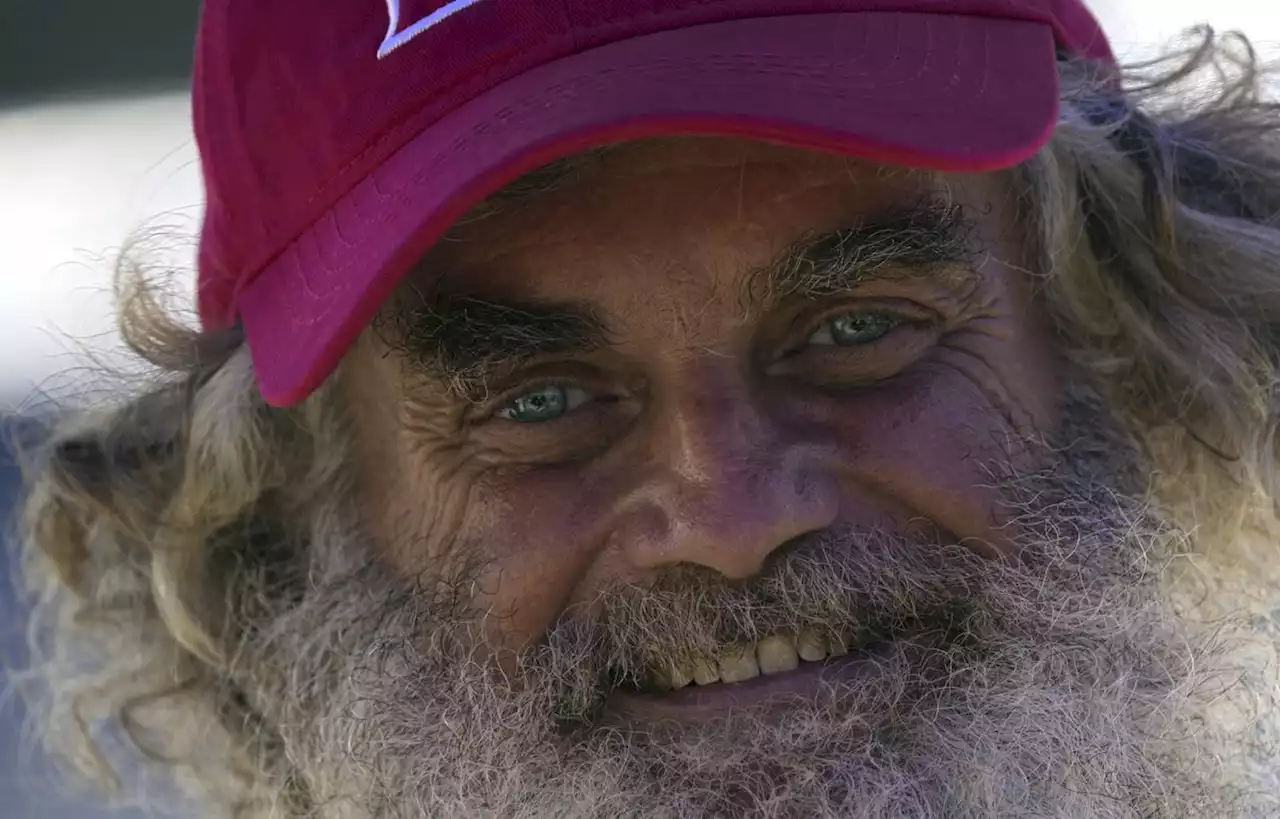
77,180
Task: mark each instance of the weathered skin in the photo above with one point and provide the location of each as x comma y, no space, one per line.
700,446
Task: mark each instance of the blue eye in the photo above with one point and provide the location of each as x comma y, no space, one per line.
543,404
854,329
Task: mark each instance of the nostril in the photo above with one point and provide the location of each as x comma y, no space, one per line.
805,541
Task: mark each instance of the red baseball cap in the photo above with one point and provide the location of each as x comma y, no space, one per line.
340,140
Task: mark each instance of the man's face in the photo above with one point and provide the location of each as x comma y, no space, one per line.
720,476
694,353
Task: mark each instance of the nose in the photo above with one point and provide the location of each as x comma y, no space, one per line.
726,486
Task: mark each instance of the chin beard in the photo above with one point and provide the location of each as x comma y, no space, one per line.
1058,685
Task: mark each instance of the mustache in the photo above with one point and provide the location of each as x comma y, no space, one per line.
835,584
855,588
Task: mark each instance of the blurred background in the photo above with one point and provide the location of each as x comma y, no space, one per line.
96,148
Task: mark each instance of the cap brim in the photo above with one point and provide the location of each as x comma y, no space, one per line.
941,91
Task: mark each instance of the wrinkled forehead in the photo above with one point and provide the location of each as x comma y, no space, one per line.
668,155
596,173
711,207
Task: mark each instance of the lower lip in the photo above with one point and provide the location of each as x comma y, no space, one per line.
808,683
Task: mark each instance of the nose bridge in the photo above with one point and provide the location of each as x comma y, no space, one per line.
728,488
713,427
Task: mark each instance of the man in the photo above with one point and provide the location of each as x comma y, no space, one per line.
664,409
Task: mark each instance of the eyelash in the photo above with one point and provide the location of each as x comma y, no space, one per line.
508,397
906,315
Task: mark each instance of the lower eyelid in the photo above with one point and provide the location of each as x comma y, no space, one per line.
569,438
906,339
900,324
588,396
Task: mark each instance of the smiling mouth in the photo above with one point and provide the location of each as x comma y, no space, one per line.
779,670
777,654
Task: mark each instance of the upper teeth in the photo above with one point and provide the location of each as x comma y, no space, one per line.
742,661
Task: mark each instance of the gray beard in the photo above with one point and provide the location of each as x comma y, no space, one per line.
1065,686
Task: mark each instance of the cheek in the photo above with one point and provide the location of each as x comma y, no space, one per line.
526,536
418,503
933,442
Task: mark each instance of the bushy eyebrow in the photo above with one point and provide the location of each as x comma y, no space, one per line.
463,342
928,239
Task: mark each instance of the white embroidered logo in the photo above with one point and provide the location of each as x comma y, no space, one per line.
397,37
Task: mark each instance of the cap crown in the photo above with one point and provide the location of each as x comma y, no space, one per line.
297,100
